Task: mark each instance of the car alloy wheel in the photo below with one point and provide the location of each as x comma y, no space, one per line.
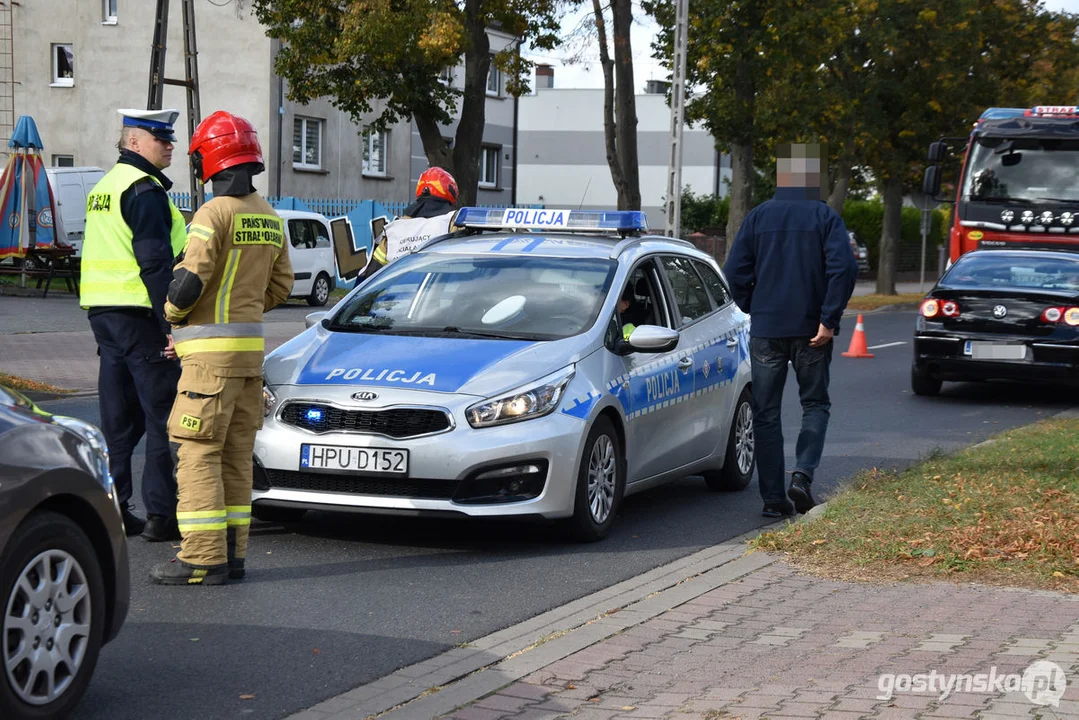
46,627
602,479
744,441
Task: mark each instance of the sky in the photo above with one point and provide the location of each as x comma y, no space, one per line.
586,71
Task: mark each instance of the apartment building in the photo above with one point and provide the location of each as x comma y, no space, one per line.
71,63
563,161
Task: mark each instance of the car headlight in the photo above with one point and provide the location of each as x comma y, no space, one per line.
529,402
269,401
99,449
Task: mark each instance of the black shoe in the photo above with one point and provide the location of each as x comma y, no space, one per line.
236,569
777,510
177,572
160,529
133,524
800,492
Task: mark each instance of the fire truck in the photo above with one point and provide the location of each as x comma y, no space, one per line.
1019,184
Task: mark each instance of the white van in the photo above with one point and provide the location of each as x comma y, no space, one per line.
70,187
311,253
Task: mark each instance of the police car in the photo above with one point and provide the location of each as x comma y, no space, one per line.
536,363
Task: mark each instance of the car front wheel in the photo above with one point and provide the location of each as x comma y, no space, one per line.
320,291
741,455
53,618
601,480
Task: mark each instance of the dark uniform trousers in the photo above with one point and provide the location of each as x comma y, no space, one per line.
136,390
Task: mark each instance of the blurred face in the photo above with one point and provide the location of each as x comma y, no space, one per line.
801,165
623,305
154,149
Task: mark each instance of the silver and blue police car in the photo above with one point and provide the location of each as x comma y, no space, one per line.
533,363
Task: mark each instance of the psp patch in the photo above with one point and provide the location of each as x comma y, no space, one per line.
190,422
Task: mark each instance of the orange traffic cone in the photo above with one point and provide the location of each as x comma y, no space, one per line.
857,347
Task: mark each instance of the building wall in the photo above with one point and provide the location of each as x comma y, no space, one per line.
497,133
563,160
112,67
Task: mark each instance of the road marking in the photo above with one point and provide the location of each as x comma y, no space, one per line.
878,347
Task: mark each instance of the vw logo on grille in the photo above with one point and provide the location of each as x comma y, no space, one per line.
364,395
1000,311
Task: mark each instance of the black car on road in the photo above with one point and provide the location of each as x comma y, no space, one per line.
64,579
1000,314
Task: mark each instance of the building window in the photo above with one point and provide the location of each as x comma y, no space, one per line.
489,167
63,161
494,79
446,76
375,145
109,12
63,64
307,143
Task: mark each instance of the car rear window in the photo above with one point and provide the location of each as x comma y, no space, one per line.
517,296
991,270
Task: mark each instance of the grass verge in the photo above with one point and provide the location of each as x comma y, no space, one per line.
25,385
1001,513
872,302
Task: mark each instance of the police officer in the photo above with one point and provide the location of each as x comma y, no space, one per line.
133,235
429,216
236,266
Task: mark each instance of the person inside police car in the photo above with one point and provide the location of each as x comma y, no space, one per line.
428,216
792,268
235,267
133,235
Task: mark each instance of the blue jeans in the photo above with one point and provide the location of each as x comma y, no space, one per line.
769,358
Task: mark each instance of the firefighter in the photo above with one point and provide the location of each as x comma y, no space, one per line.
429,216
133,235
236,267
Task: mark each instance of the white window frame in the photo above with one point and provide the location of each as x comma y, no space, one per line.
486,182
108,12
58,81
304,123
494,73
56,160
447,75
369,141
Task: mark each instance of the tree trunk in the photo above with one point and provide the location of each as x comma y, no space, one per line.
838,196
468,141
610,134
892,190
741,188
629,198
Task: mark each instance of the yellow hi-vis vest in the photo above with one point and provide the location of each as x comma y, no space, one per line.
110,272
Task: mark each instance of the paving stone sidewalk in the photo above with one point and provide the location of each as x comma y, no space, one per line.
780,644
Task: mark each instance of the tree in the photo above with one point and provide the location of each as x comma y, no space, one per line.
392,52
619,102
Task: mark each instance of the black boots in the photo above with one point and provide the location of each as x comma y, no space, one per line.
160,529
133,524
177,572
800,493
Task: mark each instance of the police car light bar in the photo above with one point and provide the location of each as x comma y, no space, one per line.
551,219
1036,111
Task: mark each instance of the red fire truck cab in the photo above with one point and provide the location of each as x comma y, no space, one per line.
1019,185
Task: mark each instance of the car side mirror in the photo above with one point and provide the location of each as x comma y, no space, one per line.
938,151
931,181
652,339
314,318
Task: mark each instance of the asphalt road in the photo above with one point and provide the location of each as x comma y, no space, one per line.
339,600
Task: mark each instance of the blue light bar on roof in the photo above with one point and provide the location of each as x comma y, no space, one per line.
1036,111
551,219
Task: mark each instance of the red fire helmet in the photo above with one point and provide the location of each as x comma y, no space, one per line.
221,141
437,182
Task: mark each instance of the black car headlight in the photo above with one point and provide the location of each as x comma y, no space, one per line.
269,401
97,448
528,402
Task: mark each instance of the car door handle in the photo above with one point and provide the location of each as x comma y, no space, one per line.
685,364
733,342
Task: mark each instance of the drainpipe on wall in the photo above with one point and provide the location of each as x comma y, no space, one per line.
280,130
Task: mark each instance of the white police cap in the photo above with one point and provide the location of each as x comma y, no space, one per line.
157,122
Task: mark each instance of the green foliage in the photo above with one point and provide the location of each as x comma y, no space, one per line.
866,217
703,211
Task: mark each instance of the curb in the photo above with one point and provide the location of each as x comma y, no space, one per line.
460,676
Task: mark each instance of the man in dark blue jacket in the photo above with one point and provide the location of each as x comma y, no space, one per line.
792,268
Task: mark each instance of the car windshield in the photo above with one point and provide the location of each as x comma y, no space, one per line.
1018,272
511,297
1022,169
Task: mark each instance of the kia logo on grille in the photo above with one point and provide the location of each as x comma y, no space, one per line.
364,395
1000,311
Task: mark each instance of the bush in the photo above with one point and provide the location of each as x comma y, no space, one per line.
866,218
702,211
